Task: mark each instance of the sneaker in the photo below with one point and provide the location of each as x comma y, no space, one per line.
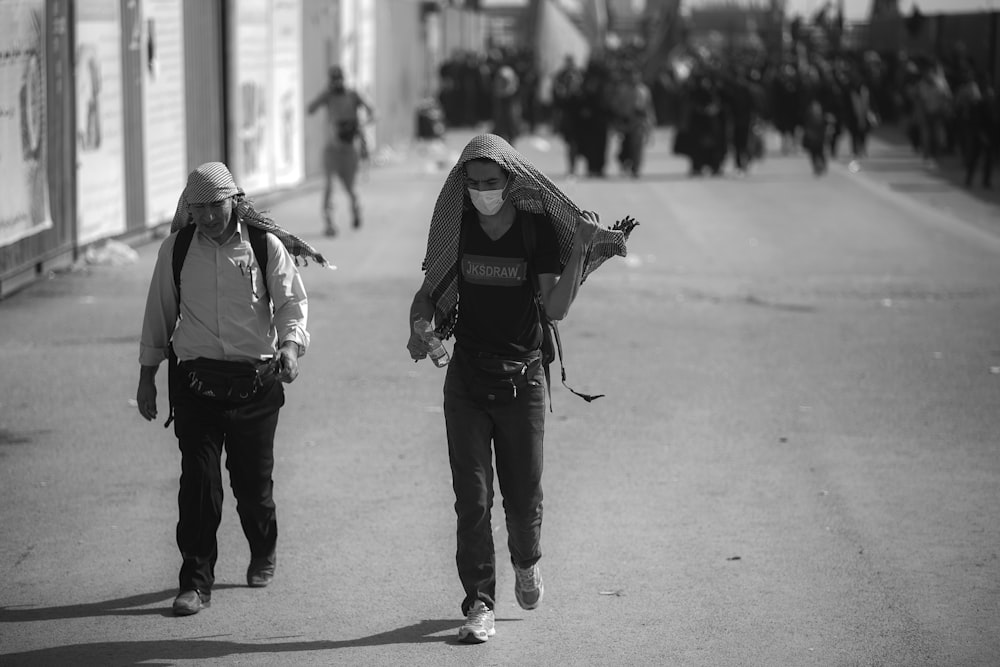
528,587
479,624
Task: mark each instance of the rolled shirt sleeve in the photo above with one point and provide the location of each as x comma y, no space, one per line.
160,316
288,296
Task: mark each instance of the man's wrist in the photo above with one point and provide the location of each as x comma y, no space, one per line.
420,315
293,346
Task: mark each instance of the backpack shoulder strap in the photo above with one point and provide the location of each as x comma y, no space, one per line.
258,241
530,240
181,245
182,242
550,327
529,236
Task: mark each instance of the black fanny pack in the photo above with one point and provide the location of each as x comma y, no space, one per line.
499,380
232,381
347,130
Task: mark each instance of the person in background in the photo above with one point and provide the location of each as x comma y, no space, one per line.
815,136
506,104
345,143
595,116
566,110
635,119
984,135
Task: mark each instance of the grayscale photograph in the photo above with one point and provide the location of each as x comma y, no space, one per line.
500,332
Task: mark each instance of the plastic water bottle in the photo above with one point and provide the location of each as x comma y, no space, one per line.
438,354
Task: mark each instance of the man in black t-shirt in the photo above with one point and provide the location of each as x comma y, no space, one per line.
499,314
494,393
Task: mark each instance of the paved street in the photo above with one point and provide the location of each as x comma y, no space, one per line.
796,462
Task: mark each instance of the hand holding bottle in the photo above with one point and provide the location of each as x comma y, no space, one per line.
435,349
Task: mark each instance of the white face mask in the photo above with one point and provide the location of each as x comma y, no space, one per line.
487,202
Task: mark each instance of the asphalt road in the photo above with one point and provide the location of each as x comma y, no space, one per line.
796,462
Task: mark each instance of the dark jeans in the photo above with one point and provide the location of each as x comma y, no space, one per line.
515,431
741,144
633,148
977,151
203,427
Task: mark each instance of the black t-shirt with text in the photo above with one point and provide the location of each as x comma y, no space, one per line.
497,312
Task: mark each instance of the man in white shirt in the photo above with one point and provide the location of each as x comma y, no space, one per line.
227,307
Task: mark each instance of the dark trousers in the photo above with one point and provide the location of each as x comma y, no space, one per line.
741,145
633,148
515,432
977,151
203,428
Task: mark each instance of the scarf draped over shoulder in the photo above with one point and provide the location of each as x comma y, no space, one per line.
530,190
212,182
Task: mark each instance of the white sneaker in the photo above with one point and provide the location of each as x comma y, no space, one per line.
528,587
479,624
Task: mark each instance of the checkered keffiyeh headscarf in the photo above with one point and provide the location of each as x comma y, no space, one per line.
530,190
213,182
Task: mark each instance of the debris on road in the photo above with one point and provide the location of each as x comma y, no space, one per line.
110,253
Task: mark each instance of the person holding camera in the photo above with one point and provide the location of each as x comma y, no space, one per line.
228,310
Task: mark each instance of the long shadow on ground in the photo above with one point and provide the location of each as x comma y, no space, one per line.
126,606
143,652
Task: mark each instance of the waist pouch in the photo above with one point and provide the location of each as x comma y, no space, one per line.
347,130
232,381
498,380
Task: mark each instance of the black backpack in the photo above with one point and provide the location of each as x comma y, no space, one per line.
258,242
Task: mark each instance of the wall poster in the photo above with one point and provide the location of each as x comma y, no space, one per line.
249,100
286,92
357,51
100,165
165,138
266,109
24,188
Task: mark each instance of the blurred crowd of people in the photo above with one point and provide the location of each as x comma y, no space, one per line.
586,106
499,86
721,107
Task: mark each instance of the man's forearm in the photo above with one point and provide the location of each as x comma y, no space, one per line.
422,307
293,346
564,291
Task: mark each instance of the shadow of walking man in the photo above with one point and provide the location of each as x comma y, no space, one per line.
143,652
126,606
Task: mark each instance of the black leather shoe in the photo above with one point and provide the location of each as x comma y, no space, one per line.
260,573
190,602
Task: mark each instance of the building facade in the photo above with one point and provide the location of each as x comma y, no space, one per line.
108,104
